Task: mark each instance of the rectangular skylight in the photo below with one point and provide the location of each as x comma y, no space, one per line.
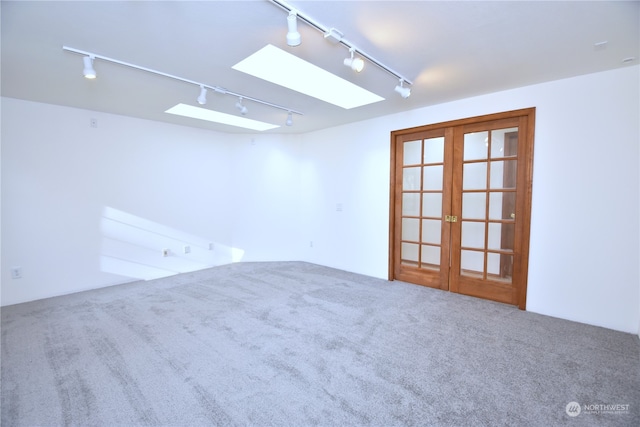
217,117
282,68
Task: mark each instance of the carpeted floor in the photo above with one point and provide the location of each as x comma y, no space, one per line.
296,344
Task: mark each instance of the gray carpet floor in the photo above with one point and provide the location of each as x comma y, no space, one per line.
296,344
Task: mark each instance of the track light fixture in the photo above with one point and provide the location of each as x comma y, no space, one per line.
88,71
355,63
243,110
202,99
336,37
293,36
404,92
289,121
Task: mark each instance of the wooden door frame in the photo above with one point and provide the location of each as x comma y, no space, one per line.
527,116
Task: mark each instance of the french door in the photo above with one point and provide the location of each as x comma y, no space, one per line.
460,205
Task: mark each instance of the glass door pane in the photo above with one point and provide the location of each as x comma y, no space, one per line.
502,144
434,150
432,204
409,253
412,152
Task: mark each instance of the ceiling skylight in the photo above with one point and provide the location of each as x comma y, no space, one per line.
217,117
282,68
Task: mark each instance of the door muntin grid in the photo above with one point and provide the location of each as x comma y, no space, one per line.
422,195
489,168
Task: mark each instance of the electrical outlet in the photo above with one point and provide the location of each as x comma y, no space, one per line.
187,249
93,122
16,272
165,252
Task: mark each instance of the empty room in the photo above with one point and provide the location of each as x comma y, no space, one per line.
320,213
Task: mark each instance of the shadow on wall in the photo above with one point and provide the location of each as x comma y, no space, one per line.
138,248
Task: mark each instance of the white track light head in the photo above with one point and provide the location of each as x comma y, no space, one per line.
289,121
243,110
202,99
356,64
293,36
404,92
88,71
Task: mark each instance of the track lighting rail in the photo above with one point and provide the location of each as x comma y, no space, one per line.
216,89
342,41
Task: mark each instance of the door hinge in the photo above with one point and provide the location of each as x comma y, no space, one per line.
451,218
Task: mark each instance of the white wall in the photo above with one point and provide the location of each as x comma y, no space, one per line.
80,203
265,182
322,197
584,234
345,202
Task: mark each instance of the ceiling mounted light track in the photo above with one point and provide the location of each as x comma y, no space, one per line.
89,72
336,37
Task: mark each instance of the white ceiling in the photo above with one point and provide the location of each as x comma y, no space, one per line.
450,50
